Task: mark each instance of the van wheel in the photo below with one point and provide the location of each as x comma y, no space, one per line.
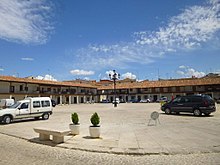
7,119
197,112
45,116
168,111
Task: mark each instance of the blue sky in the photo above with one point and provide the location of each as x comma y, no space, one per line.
142,39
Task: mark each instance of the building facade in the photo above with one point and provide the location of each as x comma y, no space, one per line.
61,92
131,90
79,91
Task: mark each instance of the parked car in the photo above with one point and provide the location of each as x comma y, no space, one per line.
35,107
134,101
105,101
116,100
162,99
5,103
53,103
145,101
196,104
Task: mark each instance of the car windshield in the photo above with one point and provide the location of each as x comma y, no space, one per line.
15,105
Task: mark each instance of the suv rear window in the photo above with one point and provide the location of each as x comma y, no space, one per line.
207,97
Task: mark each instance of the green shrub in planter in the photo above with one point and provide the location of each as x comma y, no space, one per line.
95,120
75,118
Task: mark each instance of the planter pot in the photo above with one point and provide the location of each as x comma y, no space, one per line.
74,129
95,131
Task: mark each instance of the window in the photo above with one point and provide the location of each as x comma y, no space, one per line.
182,89
36,104
21,87
188,88
200,88
45,103
24,105
196,99
165,89
157,89
173,89
12,88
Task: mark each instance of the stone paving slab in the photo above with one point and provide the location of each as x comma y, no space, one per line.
125,130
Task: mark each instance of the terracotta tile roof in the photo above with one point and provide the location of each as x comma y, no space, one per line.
164,83
120,84
45,82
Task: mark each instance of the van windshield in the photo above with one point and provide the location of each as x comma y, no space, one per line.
15,105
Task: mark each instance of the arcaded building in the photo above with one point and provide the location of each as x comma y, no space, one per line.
73,92
153,90
81,91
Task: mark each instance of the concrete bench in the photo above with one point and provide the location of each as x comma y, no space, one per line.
58,136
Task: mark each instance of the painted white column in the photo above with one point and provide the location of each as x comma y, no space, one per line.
61,99
213,95
70,100
84,99
77,99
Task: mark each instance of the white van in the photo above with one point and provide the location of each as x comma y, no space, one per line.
35,107
5,103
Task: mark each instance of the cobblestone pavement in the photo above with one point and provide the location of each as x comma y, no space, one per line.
126,138
15,151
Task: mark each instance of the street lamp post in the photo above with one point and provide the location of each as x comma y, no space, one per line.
114,76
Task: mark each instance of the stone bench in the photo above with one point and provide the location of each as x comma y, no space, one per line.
58,136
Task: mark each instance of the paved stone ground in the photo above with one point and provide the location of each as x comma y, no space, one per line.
14,151
125,130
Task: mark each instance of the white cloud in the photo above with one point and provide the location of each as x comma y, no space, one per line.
25,21
187,71
180,72
115,56
194,26
27,59
129,75
82,72
46,77
1,69
182,67
190,29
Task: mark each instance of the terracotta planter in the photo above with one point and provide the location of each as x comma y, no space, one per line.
95,131
74,129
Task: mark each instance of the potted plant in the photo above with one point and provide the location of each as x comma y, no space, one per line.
74,127
94,130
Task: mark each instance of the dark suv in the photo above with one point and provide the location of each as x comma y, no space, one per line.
196,104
